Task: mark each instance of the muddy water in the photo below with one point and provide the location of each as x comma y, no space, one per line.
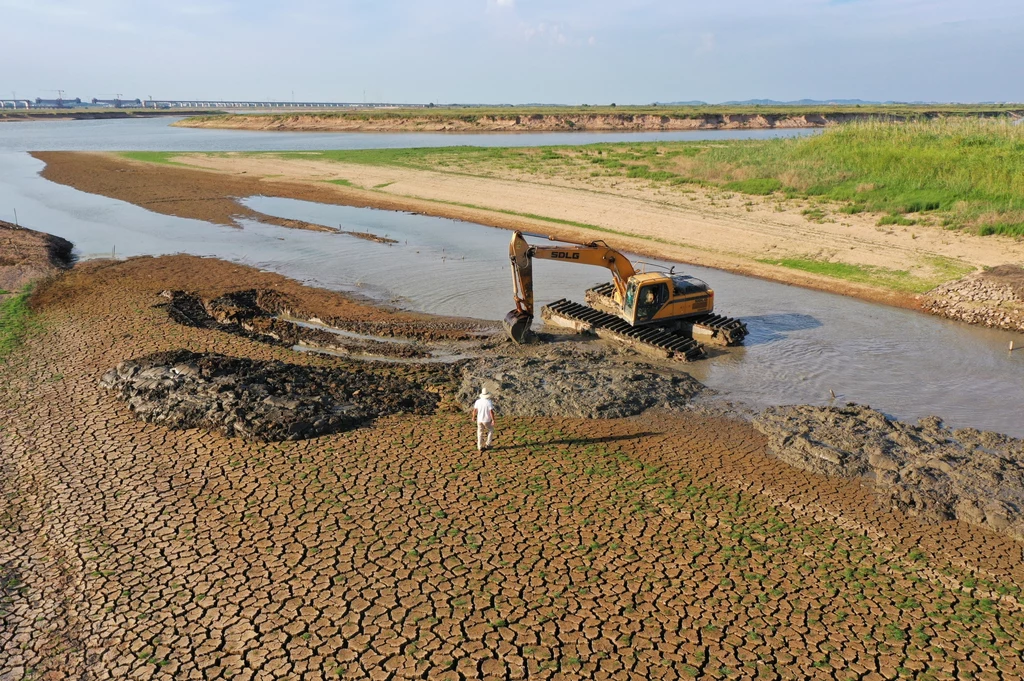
802,343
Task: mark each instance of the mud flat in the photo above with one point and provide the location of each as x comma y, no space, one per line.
671,543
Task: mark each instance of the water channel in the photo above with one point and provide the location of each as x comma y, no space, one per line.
802,344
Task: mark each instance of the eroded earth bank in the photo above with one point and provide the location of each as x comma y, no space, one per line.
194,486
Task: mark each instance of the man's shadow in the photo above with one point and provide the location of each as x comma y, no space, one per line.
574,441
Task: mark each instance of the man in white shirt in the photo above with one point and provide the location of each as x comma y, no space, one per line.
483,412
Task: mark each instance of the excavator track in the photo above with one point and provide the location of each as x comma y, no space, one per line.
649,339
707,328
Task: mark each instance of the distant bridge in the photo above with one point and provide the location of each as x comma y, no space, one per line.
237,104
192,104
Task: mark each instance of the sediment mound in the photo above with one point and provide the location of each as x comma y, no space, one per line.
927,469
575,388
27,255
994,298
257,400
251,313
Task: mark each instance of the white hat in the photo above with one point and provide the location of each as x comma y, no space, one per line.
484,394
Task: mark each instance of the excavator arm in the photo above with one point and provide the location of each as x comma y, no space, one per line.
521,255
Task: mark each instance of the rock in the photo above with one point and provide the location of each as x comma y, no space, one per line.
926,470
257,400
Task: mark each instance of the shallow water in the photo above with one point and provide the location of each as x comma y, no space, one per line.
802,343
155,134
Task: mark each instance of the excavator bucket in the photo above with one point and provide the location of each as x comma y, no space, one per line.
517,326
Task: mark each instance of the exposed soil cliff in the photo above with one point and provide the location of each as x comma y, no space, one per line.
526,122
27,255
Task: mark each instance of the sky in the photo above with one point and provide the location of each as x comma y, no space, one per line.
515,51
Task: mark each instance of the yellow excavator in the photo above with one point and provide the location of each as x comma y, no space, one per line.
661,313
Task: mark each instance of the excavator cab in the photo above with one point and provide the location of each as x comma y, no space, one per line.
650,298
654,297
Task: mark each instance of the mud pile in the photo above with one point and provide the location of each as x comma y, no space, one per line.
927,469
27,255
993,298
251,313
256,400
575,387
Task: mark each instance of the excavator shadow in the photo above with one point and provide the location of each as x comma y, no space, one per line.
574,441
770,328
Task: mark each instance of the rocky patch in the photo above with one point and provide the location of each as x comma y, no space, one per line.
576,387
992,298
927,469
255,400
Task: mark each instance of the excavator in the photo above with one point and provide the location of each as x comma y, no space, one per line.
663,314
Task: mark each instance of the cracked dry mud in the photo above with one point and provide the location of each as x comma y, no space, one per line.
667,546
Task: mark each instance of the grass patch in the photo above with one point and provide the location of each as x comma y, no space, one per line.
343,183
895,219
940,270
1008,229
15,320
814,214
161,157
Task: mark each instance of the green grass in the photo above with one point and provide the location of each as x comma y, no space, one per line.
941,270
970,173
896,219
15,320
162,157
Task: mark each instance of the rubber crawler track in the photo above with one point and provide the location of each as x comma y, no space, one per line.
674,345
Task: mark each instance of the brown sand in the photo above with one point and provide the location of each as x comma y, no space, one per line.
657,546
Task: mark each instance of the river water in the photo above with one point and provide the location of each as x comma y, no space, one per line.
802,343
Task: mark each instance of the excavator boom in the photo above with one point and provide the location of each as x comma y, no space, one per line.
521,254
